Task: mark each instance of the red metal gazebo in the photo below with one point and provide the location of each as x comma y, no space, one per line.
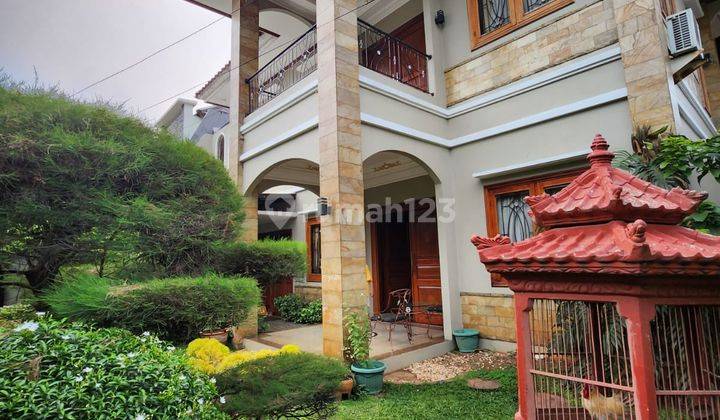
617,307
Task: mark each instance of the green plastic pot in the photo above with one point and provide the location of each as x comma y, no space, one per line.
467,339
369,376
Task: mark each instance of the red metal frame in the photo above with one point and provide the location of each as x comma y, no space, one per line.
598,249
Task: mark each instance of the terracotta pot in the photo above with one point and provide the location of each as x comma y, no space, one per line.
345,388
220,335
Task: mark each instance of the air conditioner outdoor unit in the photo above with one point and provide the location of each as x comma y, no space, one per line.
683,33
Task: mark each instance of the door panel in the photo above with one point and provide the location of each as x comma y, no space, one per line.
425,258
395,272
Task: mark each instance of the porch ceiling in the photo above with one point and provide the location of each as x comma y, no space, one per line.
379,169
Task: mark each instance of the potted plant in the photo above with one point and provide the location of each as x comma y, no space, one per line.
220,334
368,373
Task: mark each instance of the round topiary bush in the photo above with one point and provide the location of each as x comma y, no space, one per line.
51,369
292,385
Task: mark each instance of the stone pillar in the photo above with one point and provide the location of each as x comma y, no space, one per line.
250,224
643,45
343,232
243,64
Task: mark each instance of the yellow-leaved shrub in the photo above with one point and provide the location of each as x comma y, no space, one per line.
210,356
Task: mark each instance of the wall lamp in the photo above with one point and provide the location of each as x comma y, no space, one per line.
322,206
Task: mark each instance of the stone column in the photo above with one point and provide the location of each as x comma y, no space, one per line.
341,181
643,45
243,64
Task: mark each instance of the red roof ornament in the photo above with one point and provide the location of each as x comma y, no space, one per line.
608,221
604,193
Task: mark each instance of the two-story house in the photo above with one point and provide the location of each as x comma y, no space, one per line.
422,122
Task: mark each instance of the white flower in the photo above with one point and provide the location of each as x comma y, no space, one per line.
171,348
87,370
212,380
66,336
222,400
201,401
97,385
29,326
140,417
79,378
40,313
131,355
146,334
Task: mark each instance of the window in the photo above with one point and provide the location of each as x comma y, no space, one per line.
507,213
220,149
491,19
312,239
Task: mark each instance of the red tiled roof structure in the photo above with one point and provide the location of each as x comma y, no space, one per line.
608,221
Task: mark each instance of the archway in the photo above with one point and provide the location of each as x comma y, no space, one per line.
402,227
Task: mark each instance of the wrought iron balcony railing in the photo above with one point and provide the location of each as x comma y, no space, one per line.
381,52
289,67
377,51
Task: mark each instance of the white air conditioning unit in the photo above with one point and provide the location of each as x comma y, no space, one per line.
683,33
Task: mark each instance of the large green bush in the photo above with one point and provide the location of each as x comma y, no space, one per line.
285,385
52,370
267,260
82,184
175,309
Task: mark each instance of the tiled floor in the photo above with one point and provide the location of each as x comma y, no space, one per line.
309,338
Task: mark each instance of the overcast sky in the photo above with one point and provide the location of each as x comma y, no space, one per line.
73,43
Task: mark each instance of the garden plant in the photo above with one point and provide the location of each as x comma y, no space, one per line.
294,308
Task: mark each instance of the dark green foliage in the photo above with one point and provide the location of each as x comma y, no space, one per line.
674,161
311,313
294,308
444,400
286,385
289,306
62,370
267,261
81,184
176,309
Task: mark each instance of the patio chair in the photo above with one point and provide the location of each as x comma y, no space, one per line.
397,311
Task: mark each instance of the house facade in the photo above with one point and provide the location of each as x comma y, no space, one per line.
423,122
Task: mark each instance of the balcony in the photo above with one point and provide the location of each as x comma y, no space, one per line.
377,51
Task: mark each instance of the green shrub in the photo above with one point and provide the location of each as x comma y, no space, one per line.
12,315
176,309
268,261
286,385
289,306
358,338
53,370
81,184
311,313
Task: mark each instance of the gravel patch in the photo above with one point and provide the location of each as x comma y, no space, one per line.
450,365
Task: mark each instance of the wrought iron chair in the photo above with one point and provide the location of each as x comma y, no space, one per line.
397,311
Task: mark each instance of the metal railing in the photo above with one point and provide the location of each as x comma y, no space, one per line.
287,68
377,51
381,52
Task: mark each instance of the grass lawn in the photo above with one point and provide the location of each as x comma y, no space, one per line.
447,400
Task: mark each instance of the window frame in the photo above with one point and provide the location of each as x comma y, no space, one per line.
534,185
309,224
518,19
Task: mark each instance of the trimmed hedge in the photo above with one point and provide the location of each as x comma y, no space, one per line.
268,261
176,309
285,385
52,369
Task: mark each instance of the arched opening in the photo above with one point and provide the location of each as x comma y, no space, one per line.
402,225
220,148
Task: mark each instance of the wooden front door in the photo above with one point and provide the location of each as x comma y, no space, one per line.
425,266
392,239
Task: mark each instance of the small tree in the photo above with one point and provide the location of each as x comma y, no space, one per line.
673,161
82,184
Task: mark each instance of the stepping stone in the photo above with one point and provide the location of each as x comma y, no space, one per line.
483,384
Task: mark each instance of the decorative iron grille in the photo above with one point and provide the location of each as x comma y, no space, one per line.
494,14
530,5
686,343
580,361
388,55
293,64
